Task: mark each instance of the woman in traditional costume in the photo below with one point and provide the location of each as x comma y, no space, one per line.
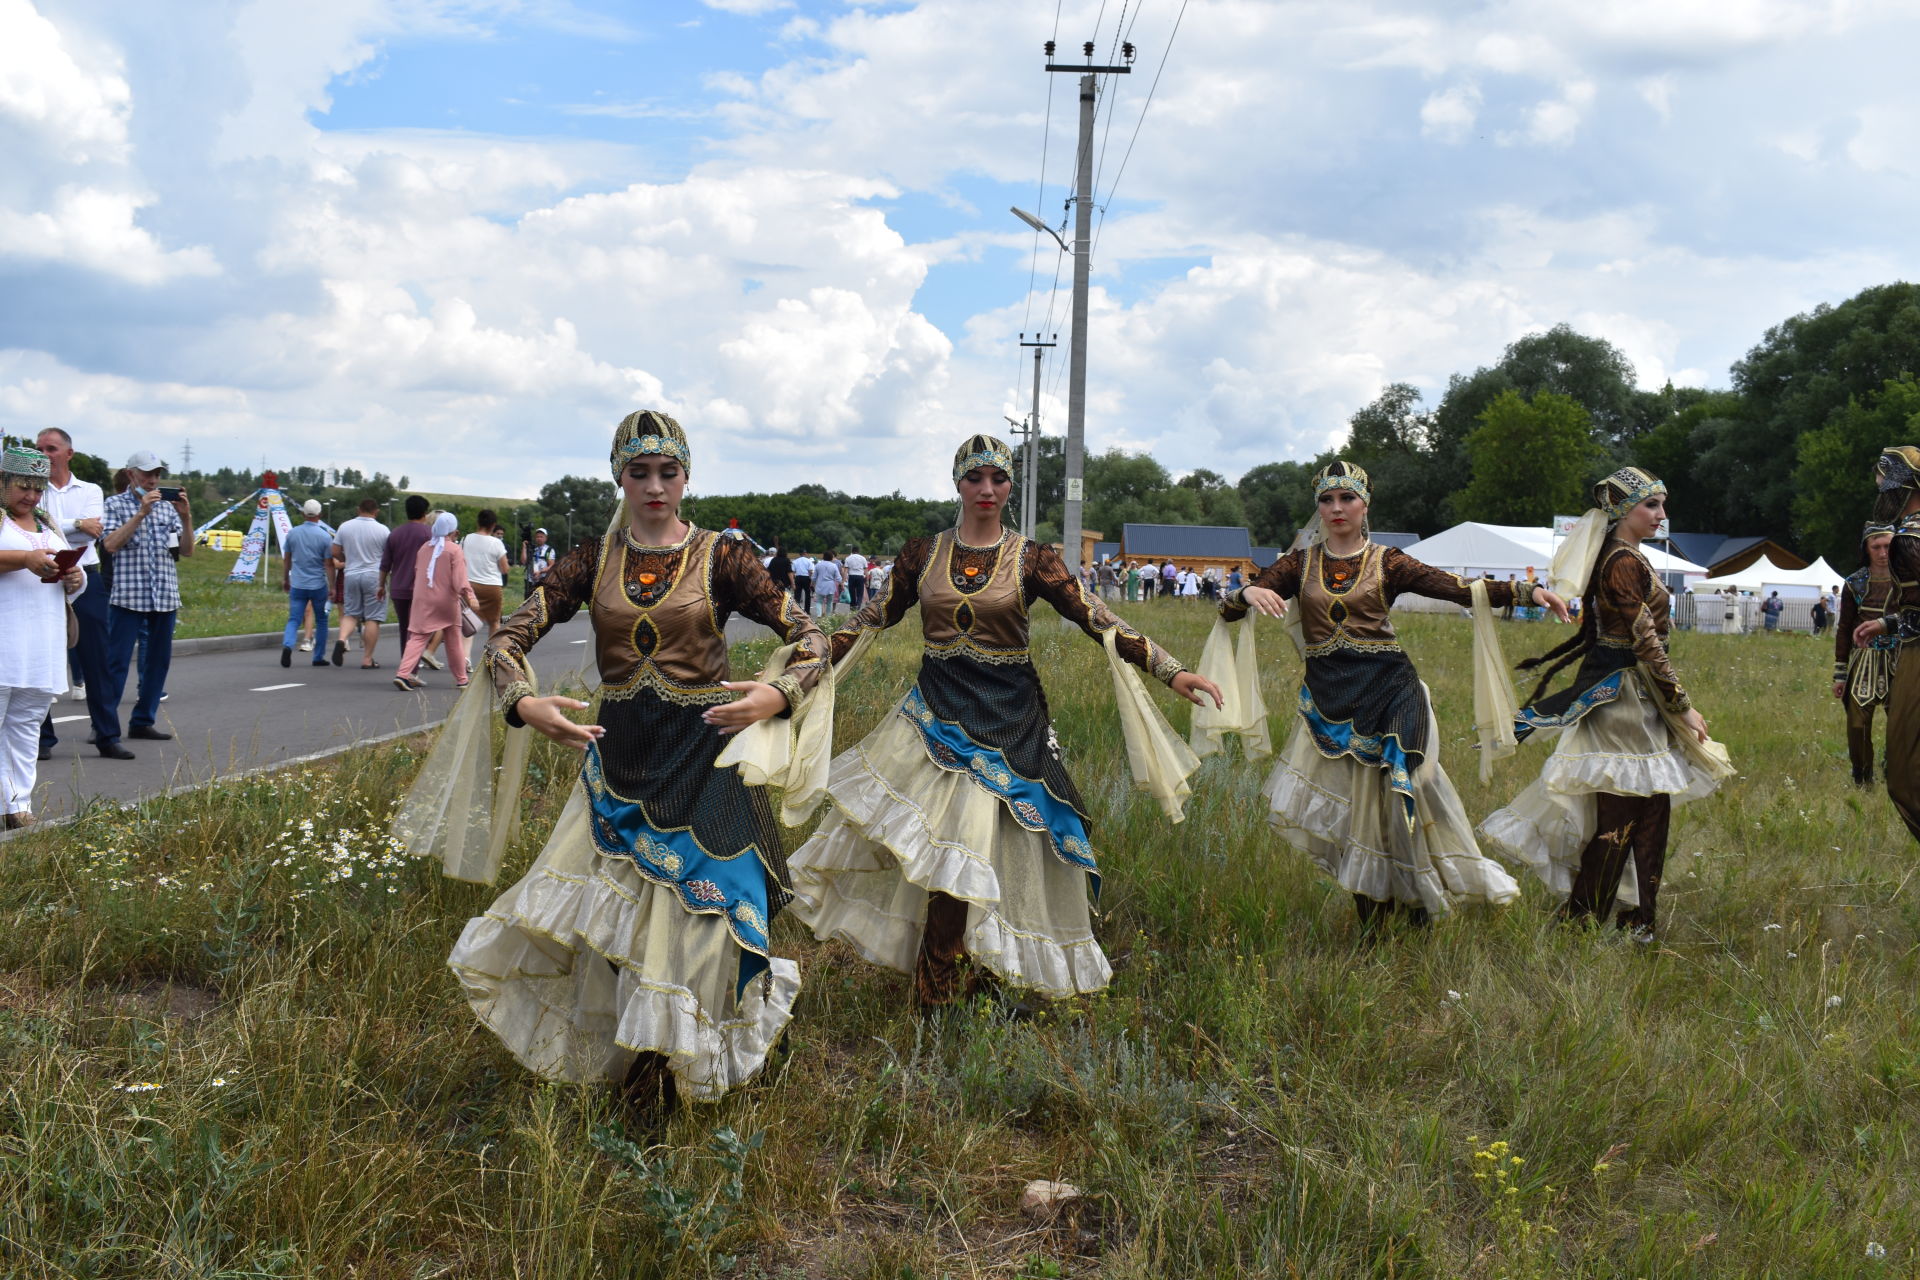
1593,826
1863,673
1897,476
958,844
635,948
1359,787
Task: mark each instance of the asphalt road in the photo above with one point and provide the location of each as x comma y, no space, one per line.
240,711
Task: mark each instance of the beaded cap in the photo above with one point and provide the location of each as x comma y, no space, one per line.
1624,490
1343,475
648,431
982,451
29,463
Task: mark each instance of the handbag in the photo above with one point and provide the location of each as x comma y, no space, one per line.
469,621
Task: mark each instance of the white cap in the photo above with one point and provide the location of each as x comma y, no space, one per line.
145,460
310,508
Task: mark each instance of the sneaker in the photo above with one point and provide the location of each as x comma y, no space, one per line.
306,646
432,661
1642,935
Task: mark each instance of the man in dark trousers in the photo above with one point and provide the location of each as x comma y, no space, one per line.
396,563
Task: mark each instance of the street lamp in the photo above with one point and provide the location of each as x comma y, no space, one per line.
569,528
1038,225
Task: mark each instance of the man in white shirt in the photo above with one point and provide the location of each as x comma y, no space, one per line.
856,566
357,544
803,581
76,505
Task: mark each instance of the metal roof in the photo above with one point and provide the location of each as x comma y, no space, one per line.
1105,551
1200,541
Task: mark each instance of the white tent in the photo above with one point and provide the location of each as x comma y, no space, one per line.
1763,577
1472,549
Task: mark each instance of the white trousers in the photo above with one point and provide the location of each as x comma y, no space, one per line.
21,713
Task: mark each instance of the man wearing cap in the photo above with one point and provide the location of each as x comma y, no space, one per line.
76,506
303,576
137,527
539,561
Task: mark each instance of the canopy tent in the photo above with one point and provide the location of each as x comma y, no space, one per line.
1472,549
1763,576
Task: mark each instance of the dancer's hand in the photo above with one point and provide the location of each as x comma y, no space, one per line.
1266,600
1192,686
757,702
1553,603
548,716
1696,724
1839,688
1870,630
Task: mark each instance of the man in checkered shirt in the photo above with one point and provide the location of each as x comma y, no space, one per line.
138,528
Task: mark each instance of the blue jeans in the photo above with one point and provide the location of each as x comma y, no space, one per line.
298,598
89,661
153,632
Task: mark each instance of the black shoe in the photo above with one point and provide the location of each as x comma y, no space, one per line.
46,752
286,655
114,751
339,651
149,732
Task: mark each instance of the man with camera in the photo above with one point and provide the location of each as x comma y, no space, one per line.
145,599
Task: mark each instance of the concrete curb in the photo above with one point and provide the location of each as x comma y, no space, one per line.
227,644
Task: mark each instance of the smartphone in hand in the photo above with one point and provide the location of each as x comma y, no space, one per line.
171,493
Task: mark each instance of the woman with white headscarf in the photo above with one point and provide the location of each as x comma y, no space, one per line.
439,585
33,645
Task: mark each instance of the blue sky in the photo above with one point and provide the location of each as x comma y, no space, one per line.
458,239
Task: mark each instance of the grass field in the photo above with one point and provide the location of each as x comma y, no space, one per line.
232,1049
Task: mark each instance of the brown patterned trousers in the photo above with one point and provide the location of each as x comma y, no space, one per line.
1626,825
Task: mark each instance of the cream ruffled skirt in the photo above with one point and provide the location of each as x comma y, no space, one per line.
585,963
901,828
1344,816
1623,748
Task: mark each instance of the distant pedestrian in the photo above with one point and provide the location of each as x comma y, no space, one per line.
486,554
303,576
1771,611
540,561
1169,578
33,626
144,600
856,566
75,506
780,569
827,577
1822,611
396,565
360,543
439,585
803,581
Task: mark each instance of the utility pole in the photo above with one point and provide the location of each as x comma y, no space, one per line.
1030,483
186,457
1082,266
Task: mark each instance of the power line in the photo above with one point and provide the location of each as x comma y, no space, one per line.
1040,200
1144,107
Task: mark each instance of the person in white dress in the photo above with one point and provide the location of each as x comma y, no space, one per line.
34,590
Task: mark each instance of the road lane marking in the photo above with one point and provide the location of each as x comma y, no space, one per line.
275,688
68,719
577,642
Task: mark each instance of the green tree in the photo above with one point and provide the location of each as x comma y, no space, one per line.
1835,472
1277,498
1804,372
1674,449
1531,460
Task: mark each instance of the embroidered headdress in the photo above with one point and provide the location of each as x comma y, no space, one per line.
1624,490
982,451
648,431
1342,475
28,463
1613,497
1898,467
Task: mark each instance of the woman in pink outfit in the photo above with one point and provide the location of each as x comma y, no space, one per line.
439,585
